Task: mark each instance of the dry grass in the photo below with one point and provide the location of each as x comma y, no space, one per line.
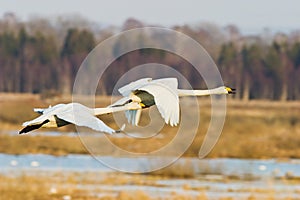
101,186
260,130
24,144
79,187
41,187
257,129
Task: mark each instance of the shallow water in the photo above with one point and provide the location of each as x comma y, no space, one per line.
240,168
232,178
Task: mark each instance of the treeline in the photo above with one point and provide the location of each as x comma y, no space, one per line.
43,56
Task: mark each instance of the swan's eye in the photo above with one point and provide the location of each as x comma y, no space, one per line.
127,102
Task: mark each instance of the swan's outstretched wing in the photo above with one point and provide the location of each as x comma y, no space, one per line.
84,117
33,127
66,112
127,89
135,85
165,95
36,121
46,114
172,83
166,100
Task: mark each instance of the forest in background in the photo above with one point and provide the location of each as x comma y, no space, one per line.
43,55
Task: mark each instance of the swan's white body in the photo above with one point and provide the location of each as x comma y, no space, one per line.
166,97
73,113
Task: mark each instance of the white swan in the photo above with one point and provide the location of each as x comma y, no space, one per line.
163,93
73,113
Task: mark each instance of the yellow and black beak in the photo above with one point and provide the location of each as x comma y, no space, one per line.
142,105
230,90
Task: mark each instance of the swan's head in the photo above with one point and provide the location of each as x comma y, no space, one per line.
229,90
223,90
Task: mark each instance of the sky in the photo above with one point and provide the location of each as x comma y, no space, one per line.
250,16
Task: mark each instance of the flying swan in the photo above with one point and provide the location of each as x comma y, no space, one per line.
73,113
163,93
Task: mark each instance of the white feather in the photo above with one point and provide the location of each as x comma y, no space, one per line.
166,100
127,89
47,112
165,97
74,113
81,115
39,110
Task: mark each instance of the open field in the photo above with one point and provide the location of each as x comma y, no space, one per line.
255,129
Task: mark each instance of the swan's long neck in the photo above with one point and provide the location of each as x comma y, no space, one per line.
219,90
102,111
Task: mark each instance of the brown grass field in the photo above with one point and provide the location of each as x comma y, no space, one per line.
255,129
102,186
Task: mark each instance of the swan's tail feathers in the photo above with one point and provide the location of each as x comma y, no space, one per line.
39,110
32,127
